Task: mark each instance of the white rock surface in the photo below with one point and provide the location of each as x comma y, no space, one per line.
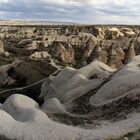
53,106
70,83
21,118
124,82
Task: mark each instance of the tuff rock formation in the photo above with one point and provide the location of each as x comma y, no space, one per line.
1,47
69,82
23,115
40,55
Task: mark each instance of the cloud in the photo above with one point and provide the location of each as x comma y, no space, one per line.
3,1
82,11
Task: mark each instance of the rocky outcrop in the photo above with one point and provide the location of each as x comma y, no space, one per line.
76,82
130,53
89,47
122,84
40,55
23,43
22,114
33,46
8,76
97,93
107,101
128,32
113,33
116,55
1,47
63,52
75,45
99,53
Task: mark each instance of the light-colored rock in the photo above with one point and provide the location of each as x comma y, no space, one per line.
101,33
22,119
40,55
1,47
85,35
116,55
32,46
125,82
62,38
6,54
45,44
64,52
130,54
113,33
99,53
90,45
128,32
14,107
70,83
53,105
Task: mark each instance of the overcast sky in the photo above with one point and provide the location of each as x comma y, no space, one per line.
79,11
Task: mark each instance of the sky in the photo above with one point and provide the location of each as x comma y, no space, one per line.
77,11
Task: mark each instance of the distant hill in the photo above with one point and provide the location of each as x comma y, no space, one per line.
23,22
